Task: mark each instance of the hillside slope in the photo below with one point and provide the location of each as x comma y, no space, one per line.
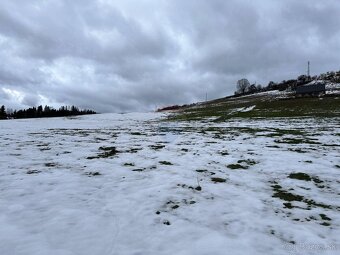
262,105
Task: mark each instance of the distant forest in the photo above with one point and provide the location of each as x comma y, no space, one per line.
43,112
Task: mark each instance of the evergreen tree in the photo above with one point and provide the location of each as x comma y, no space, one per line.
3,114
47,111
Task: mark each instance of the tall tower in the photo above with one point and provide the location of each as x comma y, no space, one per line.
308,69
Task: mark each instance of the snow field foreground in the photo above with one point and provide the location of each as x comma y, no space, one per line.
132,184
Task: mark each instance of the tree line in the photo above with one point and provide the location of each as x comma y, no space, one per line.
43,112
243,86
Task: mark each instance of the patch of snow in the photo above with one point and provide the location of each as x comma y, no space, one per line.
248,109
243,109
333,86
61,194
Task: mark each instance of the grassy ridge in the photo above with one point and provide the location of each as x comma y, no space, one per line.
265,107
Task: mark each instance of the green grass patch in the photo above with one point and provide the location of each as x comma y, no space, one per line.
203,171
218,180
298,150
136,133
165,163
300,176
282,132
138,170
156,146
266,107
305,177
294,140
285,195
324,217
236,166
92,174
129,164
273,146
33,172
134,150
223,153
51,164
289,197
107,153
247,161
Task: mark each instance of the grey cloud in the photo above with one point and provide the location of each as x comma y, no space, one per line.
251,48
137,55
31,100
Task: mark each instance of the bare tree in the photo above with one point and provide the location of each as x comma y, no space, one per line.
242,86
252,88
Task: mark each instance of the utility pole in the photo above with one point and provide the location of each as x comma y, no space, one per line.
206,96
308,69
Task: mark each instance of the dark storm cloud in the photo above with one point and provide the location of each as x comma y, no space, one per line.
242,38
138,55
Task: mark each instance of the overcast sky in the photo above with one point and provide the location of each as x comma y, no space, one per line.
136,55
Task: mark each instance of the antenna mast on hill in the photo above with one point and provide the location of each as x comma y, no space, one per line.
308,69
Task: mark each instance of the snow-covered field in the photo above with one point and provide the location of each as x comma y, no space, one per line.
131,184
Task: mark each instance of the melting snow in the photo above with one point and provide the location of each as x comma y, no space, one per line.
248,109
130,184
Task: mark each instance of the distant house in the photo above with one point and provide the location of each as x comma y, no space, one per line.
311,90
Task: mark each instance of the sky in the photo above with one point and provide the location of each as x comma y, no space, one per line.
138,55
